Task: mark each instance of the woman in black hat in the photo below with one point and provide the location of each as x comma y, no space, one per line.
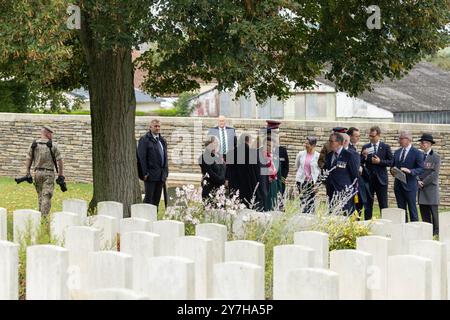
429,183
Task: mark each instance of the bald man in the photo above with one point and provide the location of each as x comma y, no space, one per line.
225,134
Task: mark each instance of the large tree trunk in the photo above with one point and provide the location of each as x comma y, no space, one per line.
113,105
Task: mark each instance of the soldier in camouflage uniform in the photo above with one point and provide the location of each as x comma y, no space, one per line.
44,167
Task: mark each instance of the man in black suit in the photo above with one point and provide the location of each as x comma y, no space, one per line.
342,166
225,134
152,155
376,157
410,161
281,152
361,198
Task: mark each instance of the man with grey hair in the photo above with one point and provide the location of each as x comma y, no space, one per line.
225,134
408,160
153,161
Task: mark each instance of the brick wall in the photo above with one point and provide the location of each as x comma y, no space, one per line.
185,136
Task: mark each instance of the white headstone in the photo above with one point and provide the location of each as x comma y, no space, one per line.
140,245
110,269
286,258
3,224
144,211
238,281
170,278
218,234
317,241
134,224
60,221
312,284
426,229
409,278
380,227
302,223
378,247
46,274
80,241
9,270
411,232
437,253
444,226
352,267
396,215
115,294
110,208
109,228
77,206
245,251
26,224
199,250
169,231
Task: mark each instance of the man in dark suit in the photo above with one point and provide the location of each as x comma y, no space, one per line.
342,167
326,147
410,161
152,155
429,183
225,134
361,198
280,152
376,157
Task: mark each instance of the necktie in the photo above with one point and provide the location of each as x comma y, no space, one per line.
223,142
375,148
336,155
425,156
402,156
161,148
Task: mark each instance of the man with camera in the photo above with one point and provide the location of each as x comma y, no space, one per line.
46,157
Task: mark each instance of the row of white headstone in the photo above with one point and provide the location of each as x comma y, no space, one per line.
157,261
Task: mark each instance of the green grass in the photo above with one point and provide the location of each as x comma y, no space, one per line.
23,196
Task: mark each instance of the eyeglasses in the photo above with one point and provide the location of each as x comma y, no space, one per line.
372,136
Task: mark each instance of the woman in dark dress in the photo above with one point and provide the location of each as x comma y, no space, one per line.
213,168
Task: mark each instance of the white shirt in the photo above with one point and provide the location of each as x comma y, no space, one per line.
223,138
406,152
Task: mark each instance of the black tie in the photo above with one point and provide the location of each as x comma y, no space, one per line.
402,157
425,156
375,148
336,155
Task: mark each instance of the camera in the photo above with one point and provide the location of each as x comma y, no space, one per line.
62,183
28,179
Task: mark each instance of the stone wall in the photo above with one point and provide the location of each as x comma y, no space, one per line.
185,136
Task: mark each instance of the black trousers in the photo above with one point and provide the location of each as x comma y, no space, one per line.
153,190
382,195
430,214
307,196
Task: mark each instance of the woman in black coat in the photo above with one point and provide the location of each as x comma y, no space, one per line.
213,168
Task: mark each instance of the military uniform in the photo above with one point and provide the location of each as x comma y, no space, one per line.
44,168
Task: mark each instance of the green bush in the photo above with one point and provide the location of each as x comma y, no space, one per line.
183,106
166,112
14,97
